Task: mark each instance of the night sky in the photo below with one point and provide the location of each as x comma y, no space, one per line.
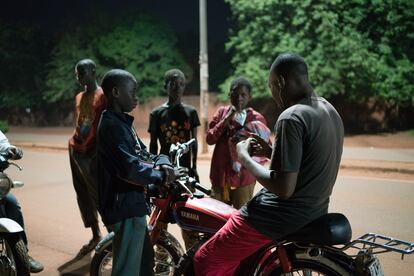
182,16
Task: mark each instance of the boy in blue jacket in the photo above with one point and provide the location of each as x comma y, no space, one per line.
125,169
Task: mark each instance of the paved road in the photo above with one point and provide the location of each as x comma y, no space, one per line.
56,233
48,138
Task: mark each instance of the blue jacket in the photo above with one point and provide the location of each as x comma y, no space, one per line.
122,174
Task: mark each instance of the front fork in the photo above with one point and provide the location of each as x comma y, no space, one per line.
285,263
158,213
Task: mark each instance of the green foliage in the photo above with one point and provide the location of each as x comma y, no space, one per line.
23,50
355,48
137,43
61,82
4,126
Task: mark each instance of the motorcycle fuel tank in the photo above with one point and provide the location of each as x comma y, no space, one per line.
205,215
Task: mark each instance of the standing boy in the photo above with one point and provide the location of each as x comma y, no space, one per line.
175,122
232,184
82,148
125,169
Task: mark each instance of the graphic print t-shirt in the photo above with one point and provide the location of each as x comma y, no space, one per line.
173,124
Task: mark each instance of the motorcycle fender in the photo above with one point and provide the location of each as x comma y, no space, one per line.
9,226
107,240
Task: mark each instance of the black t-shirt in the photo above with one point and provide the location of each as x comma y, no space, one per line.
173,124
309,140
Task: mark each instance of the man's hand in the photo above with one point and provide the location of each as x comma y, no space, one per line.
15,153
172,174
259,147
243,149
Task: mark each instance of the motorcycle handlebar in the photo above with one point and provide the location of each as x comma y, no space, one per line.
177,150
199,187
183,148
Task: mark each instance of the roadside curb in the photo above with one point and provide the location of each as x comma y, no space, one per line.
202,156
378,166
375,169
349,164
39,146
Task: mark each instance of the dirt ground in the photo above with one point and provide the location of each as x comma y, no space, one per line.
403,139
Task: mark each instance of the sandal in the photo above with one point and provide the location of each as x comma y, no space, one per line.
87,248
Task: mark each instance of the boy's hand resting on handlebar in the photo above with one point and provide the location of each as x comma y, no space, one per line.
193,173
15,152
172,174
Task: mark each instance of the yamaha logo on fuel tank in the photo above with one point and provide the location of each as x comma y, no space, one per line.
190,215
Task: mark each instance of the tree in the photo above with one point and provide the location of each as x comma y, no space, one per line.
70,48
23,51
355,48
138,43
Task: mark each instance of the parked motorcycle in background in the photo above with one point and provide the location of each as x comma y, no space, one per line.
13,252
323,247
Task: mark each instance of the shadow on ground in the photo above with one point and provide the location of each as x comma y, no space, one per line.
78,266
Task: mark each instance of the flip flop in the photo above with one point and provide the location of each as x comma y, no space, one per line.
85,249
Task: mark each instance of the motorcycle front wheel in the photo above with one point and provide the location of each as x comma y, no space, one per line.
166,259
13,256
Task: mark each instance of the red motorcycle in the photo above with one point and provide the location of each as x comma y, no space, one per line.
316,249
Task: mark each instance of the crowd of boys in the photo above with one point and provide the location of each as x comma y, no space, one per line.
110,177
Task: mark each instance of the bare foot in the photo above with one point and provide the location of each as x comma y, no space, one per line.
88,247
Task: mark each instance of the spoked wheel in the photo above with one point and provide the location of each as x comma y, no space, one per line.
165,260
102,262
303,267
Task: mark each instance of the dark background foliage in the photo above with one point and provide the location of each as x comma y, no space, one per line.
359,52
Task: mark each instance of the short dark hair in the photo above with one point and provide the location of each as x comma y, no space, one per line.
173,74
86,64
288,63
240,81
113,78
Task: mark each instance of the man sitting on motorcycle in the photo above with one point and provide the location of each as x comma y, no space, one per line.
304,165
13,209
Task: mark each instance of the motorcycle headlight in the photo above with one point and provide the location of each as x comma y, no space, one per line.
5,185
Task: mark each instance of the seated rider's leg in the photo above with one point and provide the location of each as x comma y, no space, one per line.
235,241
14,212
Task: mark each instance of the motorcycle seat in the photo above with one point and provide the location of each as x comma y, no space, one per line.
329,229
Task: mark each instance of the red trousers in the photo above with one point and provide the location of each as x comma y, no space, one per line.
222,253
